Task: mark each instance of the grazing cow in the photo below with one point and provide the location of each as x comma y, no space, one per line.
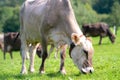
52,22
98,29
9,44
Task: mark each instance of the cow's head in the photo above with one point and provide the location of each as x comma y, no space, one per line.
112,38
81,52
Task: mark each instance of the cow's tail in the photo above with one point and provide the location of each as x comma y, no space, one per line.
16,37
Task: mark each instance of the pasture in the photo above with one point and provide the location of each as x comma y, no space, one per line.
106,62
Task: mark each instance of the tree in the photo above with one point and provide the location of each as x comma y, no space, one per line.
84,12
10,3
12,24
5,13
114,17
103,6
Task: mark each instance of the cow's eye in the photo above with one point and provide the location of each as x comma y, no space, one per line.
86,52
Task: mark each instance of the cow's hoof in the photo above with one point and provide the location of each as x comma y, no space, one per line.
23,72
32,70
42,72
63,72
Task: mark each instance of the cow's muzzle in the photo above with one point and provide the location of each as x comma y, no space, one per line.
87,70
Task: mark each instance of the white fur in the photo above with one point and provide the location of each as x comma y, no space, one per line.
86,70
78,56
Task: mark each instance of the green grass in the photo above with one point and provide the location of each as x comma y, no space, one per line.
106,62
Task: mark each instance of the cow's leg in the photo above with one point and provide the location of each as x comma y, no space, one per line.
32,55
4,54
100,40
51,50
56,53
4,51
11,55
27,55
62,56
23,53
44,56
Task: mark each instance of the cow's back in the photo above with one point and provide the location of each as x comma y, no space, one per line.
94,29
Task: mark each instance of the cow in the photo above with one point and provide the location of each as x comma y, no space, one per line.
98,29
52,22
9,45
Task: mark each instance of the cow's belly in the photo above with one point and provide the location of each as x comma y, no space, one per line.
58,38
33,37
32,33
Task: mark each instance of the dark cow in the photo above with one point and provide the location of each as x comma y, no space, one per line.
98,29
52,22
9,44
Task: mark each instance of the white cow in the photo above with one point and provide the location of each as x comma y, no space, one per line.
53,22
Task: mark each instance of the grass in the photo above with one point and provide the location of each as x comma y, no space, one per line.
106,62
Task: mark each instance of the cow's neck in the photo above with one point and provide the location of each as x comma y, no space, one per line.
69,19
65,23
72,25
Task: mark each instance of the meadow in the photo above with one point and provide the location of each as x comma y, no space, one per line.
106,62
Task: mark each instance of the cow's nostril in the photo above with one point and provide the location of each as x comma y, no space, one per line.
91,70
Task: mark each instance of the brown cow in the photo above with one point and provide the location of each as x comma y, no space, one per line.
98,29
9,44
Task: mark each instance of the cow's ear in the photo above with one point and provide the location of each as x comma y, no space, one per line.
90,39
75,38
